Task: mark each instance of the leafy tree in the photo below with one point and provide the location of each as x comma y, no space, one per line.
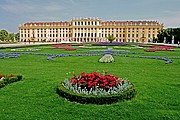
110,38
11,36
3,35
168,33
17,36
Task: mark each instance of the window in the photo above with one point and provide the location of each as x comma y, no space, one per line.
142,35
132,35
91,34
136,35
128,35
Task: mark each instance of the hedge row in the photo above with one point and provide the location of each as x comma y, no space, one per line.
8,80
95,99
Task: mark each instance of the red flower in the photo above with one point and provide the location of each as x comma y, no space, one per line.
101,85
73,80
106,87
95,79
11,75
2,76
83,74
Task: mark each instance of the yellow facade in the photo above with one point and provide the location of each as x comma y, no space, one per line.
90,30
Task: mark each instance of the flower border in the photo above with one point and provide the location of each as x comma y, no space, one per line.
96,99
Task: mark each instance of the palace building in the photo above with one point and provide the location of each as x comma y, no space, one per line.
90,30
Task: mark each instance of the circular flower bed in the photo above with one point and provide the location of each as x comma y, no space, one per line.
96,88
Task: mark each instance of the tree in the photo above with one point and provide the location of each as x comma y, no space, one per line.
110,38
168,33
17,36
11,36
3,35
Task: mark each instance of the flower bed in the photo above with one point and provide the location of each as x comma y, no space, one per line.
9,55
96,88
25,49
8,79
64,46
167,60
108,44
159,48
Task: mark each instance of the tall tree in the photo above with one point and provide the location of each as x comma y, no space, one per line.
17,36
168,33
110,38
11,36
3,35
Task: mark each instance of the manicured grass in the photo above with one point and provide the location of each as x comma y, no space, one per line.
35,97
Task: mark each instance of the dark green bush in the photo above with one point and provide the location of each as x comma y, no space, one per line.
8,80
95,99
2,84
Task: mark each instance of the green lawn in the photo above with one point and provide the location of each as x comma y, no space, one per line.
157,85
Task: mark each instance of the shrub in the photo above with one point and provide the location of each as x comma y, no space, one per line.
107,58
8,79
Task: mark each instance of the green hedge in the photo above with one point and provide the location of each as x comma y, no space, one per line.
8,80
93,99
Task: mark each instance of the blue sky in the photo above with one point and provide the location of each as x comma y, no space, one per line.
16,12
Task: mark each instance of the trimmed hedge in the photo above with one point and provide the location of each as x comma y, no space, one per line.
8,80
96,99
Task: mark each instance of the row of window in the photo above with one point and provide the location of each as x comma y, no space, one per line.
86,23
137,35
88,35
117,29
